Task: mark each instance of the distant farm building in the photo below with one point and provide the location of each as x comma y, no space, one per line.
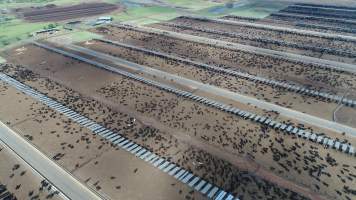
103,20
49,31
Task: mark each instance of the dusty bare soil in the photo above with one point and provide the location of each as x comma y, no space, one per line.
20,179
292,100
258,65
305,163
203,164
291,22
82,153
258,37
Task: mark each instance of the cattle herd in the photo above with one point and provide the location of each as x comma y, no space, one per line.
297,59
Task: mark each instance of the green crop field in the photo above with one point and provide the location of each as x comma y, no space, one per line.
74,37
16,30
193,5
13,30
145,15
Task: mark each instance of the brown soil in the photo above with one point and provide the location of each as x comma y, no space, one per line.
262,34
259,65
55,13
216,129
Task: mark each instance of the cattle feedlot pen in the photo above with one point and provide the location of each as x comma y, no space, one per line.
343,147
151,158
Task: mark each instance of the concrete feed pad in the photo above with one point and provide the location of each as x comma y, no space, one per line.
122,176
19,177
254,64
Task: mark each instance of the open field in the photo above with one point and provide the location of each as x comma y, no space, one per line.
2,60
146,15
137,13
249,8
17,30
74,37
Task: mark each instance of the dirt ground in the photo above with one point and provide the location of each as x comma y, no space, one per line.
79,151
257,65
20,179
185,155
289,22
247,159
294,159
191,26
292,100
